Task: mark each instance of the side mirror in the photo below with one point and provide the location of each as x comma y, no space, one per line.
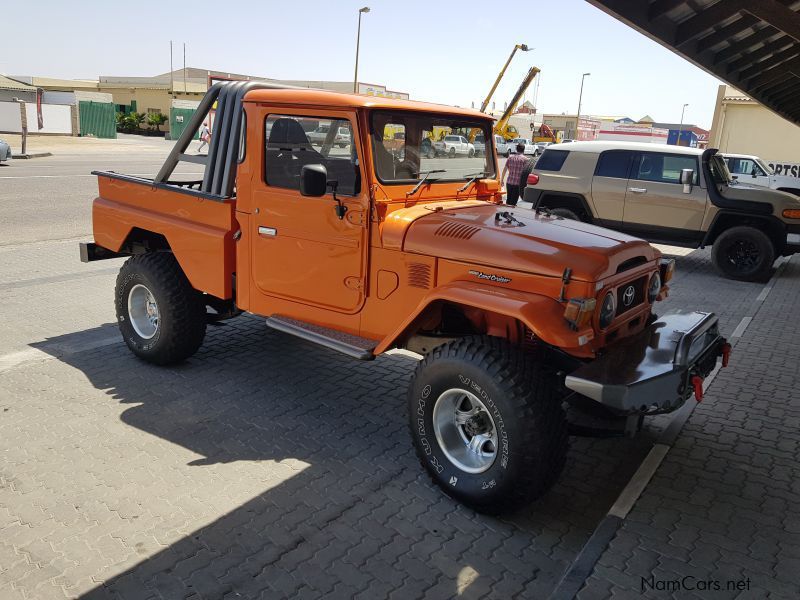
313,180
754,173
687,178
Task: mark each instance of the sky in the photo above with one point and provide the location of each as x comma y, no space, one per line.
447,51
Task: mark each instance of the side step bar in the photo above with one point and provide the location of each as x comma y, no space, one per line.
351,345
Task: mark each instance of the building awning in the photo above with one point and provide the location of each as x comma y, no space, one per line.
7,83
750,44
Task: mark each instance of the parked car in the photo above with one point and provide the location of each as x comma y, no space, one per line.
672,195
531,149
320,134
501,145
510,310
480,145
454,145
749,169
543,145
5,151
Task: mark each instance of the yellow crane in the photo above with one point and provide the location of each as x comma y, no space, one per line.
509,132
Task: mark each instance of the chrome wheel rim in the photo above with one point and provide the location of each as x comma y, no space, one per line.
143,311
465,430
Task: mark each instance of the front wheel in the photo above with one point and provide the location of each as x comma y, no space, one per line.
744,253
160,315
487,423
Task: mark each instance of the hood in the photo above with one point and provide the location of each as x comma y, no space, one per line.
746,191
530,242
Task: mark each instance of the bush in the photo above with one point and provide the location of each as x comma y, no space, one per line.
130,123
156,120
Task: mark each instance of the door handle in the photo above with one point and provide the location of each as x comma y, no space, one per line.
269,231
637,190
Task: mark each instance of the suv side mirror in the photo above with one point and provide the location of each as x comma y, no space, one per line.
313,180
687,178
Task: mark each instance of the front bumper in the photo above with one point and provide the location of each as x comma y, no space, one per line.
654,370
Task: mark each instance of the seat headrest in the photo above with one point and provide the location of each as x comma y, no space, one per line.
287,133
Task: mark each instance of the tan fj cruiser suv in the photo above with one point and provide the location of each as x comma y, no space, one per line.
670,195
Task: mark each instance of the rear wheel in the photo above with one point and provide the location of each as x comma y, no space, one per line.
452,152
487,423
160,315
743,253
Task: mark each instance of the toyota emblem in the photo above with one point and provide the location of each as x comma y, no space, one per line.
628,295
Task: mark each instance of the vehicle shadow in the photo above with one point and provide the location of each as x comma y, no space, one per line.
362,515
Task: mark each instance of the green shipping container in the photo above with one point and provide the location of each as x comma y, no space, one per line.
178,120
97,119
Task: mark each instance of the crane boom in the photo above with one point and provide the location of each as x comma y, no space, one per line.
501,127
485,104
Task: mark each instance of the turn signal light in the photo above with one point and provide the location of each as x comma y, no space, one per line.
667,270
579,312
533,179
789,213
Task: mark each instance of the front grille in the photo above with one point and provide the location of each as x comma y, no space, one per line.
624,295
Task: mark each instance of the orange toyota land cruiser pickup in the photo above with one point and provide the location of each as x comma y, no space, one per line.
314,213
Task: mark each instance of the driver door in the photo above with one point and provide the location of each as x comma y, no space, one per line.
301,250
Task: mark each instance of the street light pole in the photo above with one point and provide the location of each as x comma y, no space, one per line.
358,43
580,98
680,127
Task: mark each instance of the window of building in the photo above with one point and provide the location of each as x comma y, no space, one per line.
614,163
293,142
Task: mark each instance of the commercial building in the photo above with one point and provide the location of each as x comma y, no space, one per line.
172,93
742,125
587,129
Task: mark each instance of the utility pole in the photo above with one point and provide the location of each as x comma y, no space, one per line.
680,127
361,11
580,99
184,68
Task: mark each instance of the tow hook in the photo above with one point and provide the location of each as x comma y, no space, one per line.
697,384
726,353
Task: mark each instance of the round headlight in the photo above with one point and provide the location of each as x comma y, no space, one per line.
607,310
654,287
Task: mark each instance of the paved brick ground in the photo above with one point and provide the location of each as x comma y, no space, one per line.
264,465
725,503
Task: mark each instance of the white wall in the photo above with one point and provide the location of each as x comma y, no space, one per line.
57,118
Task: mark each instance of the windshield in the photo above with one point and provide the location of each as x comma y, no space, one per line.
765,166
421,147
719,170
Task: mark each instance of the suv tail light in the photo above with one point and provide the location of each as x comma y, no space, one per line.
533,179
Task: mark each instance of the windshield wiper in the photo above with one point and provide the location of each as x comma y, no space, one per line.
421,181
473,177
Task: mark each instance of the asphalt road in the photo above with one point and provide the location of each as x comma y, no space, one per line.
50,198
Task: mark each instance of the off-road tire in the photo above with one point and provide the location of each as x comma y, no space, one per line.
729,250
565,213
525,404
181,314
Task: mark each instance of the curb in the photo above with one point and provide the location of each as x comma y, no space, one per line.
31,155
582,566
